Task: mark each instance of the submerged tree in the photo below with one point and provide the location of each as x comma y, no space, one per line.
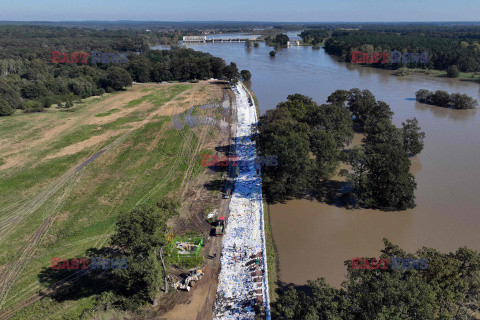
246,75
453,72
389,179
443,99
412,137
379,176
281,39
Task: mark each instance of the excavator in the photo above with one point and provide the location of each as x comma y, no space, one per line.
189,281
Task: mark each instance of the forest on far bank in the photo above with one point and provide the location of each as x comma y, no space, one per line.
445,49
31,82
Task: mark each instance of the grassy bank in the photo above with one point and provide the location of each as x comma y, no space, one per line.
466,76
463,76
272,256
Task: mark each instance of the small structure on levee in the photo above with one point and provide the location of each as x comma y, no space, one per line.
186,246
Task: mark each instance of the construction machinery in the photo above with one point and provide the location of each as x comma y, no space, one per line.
220,226
189,282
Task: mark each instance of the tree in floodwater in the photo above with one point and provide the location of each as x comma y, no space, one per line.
363,106
295,131
440,98
462,101
380,176
246,75
281,39
412,137
453,72
390,184
443,99
448,289
423,96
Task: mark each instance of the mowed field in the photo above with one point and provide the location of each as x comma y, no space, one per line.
66,174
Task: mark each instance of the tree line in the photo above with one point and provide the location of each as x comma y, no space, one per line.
448,289
29,81
443,99
310,140
315,36
444,50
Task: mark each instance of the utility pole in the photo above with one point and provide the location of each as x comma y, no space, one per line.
164,271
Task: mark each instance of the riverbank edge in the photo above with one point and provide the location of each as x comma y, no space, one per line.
272,255
430,73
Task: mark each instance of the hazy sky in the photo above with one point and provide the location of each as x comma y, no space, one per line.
240,10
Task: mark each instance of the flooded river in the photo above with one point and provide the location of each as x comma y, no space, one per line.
313,239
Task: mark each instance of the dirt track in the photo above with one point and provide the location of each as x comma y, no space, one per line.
200,300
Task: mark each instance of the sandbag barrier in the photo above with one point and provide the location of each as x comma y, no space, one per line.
243,283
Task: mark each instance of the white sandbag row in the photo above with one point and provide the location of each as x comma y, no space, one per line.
244,233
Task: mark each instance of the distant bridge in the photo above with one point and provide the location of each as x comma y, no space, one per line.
204,39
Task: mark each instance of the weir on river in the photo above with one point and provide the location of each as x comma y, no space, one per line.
204,39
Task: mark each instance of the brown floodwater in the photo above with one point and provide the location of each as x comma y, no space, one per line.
313,239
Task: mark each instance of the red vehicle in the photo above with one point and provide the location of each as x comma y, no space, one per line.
220,226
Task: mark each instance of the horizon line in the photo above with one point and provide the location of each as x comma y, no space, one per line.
242,21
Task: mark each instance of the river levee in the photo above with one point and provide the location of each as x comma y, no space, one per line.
314,239
243,278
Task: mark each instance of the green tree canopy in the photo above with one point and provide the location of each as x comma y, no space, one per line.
140,234
118,78
412,137
246,75
5,109
447,289
380,176
453,72
281,39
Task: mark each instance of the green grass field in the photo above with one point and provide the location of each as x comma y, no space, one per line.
145,160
